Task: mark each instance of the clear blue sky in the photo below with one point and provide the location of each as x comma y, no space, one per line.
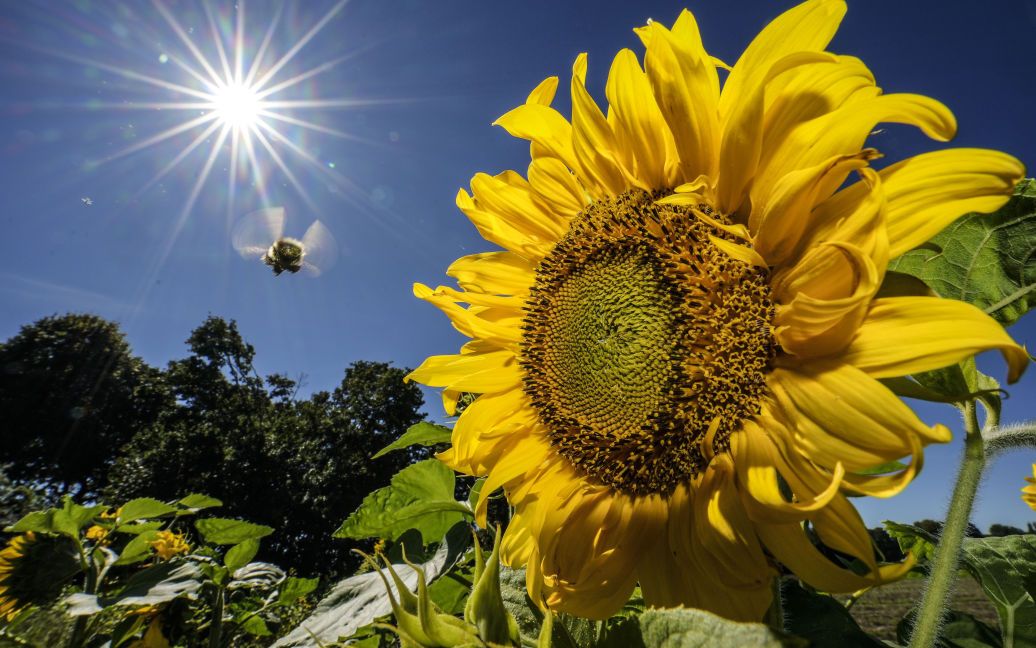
429,78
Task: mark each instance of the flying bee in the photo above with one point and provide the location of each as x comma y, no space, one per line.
260,235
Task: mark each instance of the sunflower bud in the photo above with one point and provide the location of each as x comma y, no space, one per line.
485,607
486,621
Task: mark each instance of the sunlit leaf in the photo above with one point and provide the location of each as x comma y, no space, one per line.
144,507
687,628
295,588
224,531
419,497
196,502
138,548
240,554
1000,565
423,433
357,601
988,260
157,584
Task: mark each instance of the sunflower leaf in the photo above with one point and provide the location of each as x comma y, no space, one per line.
223,531
988,260
419,497
687,628
821,619
144,507
424,433
1000,565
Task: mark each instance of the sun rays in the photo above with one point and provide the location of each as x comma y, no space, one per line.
237,100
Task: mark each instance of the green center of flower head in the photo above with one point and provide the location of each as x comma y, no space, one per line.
644,344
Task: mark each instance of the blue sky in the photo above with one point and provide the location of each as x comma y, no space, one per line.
425,80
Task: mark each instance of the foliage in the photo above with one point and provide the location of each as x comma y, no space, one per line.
984,259
70,392
317,450
123,586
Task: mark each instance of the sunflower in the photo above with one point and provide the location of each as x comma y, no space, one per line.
168,544
1029,492
33,570
678,350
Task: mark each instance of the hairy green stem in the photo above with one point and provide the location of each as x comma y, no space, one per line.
947,553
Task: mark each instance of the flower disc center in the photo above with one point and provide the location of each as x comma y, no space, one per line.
644,343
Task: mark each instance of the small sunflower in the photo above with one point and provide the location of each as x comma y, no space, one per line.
168,544
1029,492
678,351
33,570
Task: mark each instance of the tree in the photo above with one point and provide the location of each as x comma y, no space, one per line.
71,394
300,466
1000,530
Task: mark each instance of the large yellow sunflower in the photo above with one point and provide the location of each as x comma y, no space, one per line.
678,350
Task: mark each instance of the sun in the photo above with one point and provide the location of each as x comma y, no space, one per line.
237,105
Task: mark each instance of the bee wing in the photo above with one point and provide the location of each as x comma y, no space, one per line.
255,232
320,247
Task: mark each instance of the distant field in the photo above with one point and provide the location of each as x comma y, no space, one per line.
880,610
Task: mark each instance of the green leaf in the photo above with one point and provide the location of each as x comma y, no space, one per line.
158,584
295,588
958,630
224,531
138,548
71,517
682,628
450,592
911,538
821,619
144,507
241,554
423,433
358,600
37,521
1000,565
988,260
137,529
255,626
419,497
196,502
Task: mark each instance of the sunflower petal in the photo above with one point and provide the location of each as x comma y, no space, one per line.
906,335
928,192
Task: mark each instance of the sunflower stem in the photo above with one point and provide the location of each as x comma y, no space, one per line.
947,552
775,613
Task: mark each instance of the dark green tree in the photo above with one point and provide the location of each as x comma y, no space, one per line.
300,466
1000,530
71,394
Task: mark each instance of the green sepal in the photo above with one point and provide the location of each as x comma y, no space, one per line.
485,607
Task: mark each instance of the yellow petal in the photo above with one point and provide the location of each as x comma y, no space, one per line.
543,94
641,128
740,252
543,126
928,192
803,28
789,544
593,140
686,87
556,185
844,131
510,198
847,415
494,273
906,335
505,334
760,465
482,373
781,221
823,299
